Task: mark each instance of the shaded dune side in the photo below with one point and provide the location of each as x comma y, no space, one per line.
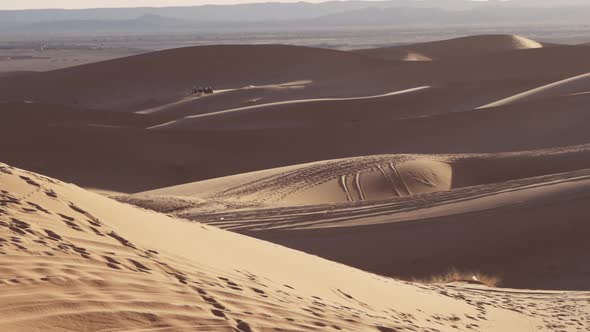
78,261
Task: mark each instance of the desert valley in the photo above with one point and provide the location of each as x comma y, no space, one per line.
434,186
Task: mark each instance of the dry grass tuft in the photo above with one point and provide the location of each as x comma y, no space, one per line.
455,275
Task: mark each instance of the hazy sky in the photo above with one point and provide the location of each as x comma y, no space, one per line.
30,4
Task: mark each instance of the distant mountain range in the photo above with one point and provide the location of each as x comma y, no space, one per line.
269,16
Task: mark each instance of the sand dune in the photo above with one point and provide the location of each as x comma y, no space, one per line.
464,46
96,264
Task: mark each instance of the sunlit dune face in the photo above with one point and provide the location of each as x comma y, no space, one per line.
424,176
521,42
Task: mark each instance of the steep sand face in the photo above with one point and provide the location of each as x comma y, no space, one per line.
465,46
79,261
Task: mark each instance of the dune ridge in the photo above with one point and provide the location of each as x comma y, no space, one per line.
456,47
577,85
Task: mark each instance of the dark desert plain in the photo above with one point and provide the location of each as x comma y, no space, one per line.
441,185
